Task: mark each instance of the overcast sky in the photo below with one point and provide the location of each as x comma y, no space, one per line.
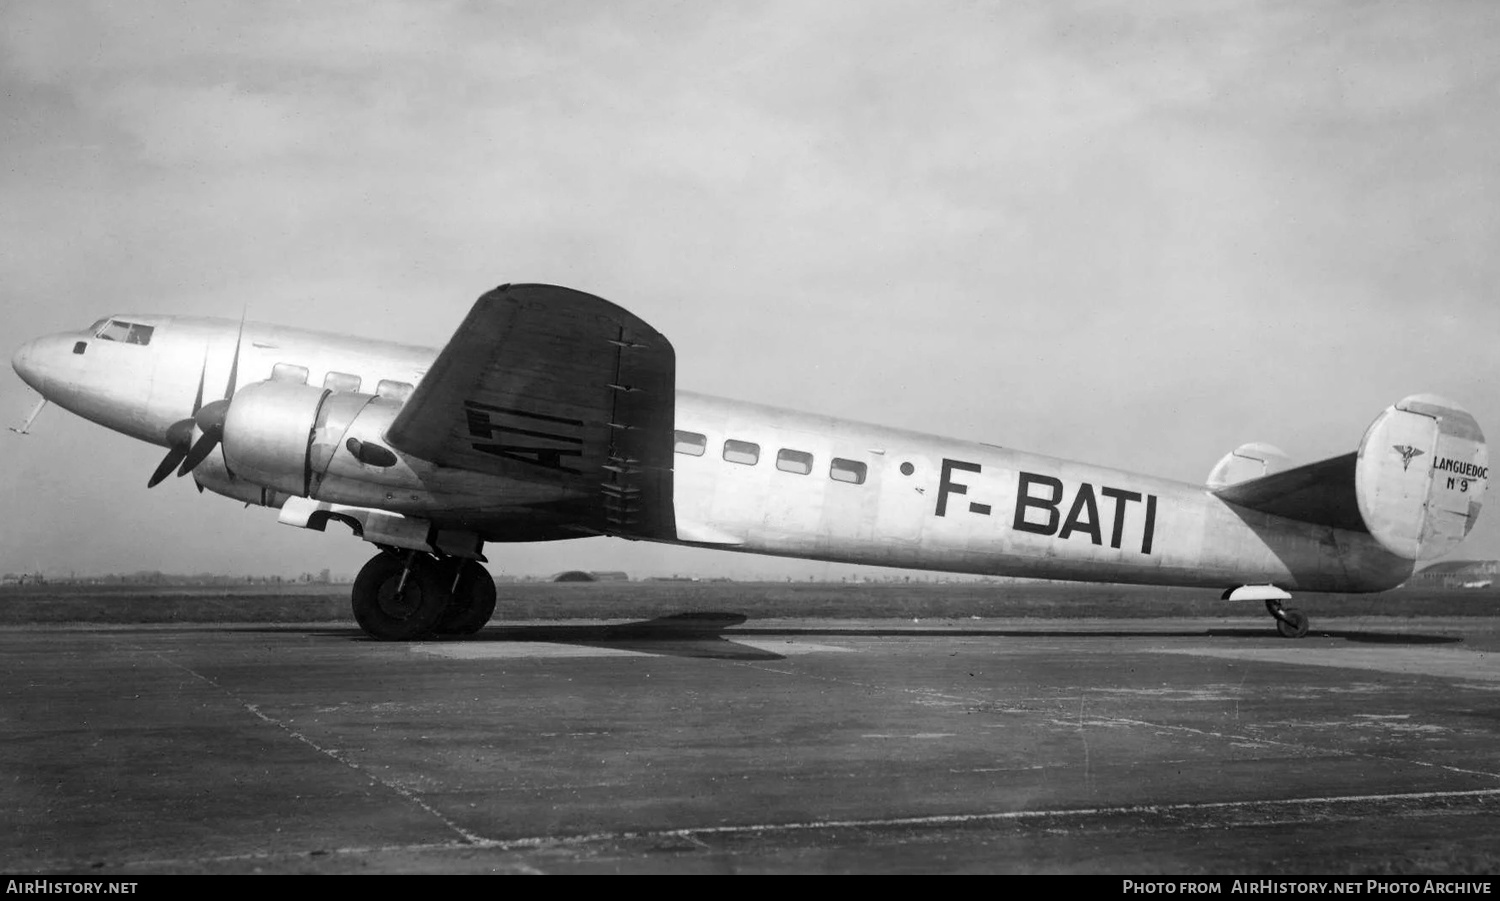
1136,234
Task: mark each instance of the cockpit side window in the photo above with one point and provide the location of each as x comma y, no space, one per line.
126,332
113,330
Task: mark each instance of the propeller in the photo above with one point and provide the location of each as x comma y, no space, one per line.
179,439
191,440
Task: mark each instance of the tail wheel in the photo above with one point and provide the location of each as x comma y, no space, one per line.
1292,623
473,598
391,608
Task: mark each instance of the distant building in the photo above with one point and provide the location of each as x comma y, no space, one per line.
1459,574
578,575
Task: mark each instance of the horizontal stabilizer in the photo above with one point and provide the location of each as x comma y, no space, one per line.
1321,493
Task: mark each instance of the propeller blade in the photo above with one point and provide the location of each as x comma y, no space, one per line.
202,374
179,440
200,450
168,463
210,425
234,365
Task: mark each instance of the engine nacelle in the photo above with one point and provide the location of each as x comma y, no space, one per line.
214,476
268,432
296,440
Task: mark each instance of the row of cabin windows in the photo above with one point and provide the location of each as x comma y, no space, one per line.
340,381
747,453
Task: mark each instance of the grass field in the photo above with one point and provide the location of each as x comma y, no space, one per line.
617,600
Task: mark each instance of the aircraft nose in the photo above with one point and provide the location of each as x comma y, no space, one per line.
38,362
24,363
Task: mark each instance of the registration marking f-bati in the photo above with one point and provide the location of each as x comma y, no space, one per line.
1039,505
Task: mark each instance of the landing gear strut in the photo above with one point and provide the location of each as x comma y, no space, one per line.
405,595
1290,622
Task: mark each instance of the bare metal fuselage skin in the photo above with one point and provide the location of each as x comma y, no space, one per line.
924,502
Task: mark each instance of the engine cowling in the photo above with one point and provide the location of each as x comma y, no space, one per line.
268,431
213,475
297,440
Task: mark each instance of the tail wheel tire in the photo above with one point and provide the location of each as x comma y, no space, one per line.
389,614
473,601
1293,625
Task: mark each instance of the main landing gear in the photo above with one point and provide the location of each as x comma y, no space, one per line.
1290,622
401,595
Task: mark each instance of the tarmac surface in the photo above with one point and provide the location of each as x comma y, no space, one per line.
713,743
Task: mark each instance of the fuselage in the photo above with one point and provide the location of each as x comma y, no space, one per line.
746,477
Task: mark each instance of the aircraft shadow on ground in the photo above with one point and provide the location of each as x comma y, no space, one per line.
706,634
677,635
1248,632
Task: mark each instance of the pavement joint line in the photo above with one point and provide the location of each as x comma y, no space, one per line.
331,753
696,834
958,819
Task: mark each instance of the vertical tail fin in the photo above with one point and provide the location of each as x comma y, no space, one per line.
1420,476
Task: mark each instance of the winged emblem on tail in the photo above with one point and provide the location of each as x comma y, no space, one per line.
1408,453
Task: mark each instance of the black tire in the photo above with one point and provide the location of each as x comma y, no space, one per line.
1295,624
387,616
473,601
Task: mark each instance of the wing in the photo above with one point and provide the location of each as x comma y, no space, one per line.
1322,493
560,390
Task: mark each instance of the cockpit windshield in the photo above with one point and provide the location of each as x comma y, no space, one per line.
124,332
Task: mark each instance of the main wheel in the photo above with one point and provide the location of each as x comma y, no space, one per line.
1295,624
391,615
473,601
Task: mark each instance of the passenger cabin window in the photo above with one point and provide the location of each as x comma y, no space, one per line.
125,332
393,389
742,452
796,461
690,443
289,372
847,471
341,381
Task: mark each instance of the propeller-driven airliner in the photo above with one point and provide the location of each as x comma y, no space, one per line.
555,414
